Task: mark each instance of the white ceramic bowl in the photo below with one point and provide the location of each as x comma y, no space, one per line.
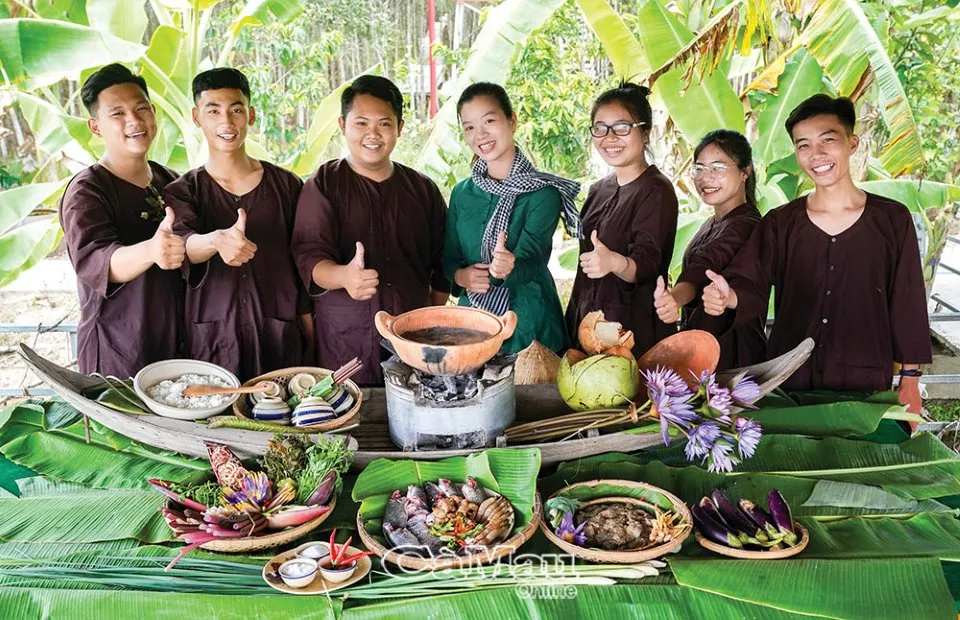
298,581
316,551
336,575
153,374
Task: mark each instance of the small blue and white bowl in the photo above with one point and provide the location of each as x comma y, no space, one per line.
341,400
272,410
313,410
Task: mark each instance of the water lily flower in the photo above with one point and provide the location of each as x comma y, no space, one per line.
669,401
748,436
667,381
568,533
720,458
254,492
745,391
701,440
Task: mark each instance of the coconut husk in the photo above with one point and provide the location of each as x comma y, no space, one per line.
536,364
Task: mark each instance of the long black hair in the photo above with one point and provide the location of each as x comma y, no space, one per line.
634,98
486,89
736,146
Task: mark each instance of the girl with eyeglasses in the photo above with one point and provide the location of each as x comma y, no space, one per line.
723,175
501,222
629,221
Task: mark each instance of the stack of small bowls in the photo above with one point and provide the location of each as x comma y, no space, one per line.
313,410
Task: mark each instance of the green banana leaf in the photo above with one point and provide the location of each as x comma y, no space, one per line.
918,196
37,52
125,19
900,588
16,203
88,516
24,247
930,535
52,603
693,483
800,79
496,48
10,472
700,106
110,460
863,496
623,49
842,39
258,12
512,473
660,602
835,419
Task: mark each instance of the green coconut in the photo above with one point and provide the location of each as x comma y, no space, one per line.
598,382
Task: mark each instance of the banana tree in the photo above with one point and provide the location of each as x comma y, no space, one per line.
70,40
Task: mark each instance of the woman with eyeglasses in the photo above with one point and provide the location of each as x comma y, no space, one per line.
724,177
630,219
501,223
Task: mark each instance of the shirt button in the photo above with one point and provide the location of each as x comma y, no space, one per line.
824,321
829,292
832,268
833,239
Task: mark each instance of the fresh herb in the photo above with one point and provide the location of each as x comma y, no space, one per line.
557,507
156,208
286,456
208,494
324,456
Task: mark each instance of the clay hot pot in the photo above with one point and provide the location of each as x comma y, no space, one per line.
449,359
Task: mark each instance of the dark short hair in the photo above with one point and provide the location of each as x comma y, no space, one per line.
375,86
841,107
108,76
221,77
486,89
737,147
632,97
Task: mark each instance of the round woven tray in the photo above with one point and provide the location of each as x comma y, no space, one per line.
408,561
621,557
242,409
266,541
745,554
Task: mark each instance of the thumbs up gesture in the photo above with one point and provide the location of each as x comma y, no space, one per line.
232,243
503,259
601,261
717,296
168,250
665,304
359,282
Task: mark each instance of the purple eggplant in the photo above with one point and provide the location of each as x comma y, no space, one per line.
759,516
321,495
711,529
736,519
780,511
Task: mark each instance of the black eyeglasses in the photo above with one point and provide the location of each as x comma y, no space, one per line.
599,130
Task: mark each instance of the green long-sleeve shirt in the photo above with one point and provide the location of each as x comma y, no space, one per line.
533,293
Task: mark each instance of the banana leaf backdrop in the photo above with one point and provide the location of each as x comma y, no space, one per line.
86,544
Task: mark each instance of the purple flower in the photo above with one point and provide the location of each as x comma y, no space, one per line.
568,533
669,397
719,402
701,439
254,492
720,458
667,381
745,391
748,436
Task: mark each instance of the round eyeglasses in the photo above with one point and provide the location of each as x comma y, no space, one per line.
716,169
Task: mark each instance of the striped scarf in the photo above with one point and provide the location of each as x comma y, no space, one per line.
523,179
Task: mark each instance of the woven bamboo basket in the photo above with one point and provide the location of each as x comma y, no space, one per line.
266,541
628,556
242,409
745,554
536,364
414,563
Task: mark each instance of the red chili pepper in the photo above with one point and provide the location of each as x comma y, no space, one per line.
355,557
333,546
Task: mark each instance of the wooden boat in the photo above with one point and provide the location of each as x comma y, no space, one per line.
371,439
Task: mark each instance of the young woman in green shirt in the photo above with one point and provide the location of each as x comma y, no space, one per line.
501,221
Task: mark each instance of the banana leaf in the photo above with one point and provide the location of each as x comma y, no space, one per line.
512,473
894,588
922,535
850,495
622,48
81,517
110,460
10,472
835,419
660,602
692,483
81,604
24,247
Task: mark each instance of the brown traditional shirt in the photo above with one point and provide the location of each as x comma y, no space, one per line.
859,294
243,318
713,247
638,220
123,326
400,222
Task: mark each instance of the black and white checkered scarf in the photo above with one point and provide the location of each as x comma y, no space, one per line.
523,179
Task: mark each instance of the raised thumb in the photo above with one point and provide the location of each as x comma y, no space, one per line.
241,224
718,280
661,288
167,224
596,241
501,242
358,257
